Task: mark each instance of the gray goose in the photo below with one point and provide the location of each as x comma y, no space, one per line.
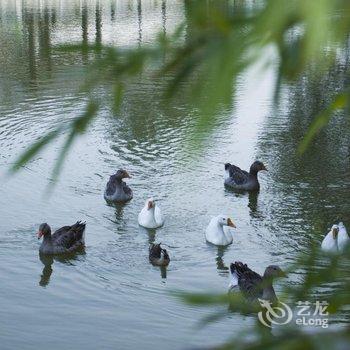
239,179
158,256
67,239
252,285
116,189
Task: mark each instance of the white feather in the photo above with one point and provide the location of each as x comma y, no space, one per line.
215,232
151,218
329,243
343,237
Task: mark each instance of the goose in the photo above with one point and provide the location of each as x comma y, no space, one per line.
238,179
343,237
251,284
158,256
67,239
215,232
116,189
150,216
330,242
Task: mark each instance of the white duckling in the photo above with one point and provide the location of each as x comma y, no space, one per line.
343,237
330,242
151,216
216,232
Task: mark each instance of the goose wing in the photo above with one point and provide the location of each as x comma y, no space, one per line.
111,186
68,236
154,251
238,175
249,282
127,190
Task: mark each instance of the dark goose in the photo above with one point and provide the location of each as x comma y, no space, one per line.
252,285
117,190
67,239
239,179
158,256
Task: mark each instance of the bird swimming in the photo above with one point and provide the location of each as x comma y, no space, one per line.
116,189
151,215
239,179
158,256
336,240
217,232
251,284
67,239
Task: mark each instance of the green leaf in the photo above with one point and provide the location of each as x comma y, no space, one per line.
340,102
34,149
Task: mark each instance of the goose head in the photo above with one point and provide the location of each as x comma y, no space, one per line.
335,231
44,230
225,221
121,174
256,167
150,203
273,271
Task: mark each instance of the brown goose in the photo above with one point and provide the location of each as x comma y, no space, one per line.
239,179
158,256
252,285
67,239
116,189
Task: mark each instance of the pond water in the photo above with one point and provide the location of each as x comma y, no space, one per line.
111,297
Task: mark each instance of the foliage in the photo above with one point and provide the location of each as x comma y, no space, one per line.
218,40
320,270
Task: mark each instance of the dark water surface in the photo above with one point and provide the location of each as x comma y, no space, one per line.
111,297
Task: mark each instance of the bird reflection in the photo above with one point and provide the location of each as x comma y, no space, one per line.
222,269
119,212
48,260
163,271
253,204
47,270
151,235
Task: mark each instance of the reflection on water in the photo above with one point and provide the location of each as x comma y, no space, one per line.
222,268
109,295
48,260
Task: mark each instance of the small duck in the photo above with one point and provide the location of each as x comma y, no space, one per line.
150,216
116,189
158,256
252,285
238,179
215,232
67,239
343,237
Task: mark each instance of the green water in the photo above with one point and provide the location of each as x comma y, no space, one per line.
111,297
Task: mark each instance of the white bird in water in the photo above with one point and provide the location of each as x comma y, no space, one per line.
151,215
217,231
336,239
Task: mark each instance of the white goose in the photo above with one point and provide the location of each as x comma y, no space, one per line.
151,216
343,237
330,242
216,233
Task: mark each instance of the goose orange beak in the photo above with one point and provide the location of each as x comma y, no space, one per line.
230,223
335,232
